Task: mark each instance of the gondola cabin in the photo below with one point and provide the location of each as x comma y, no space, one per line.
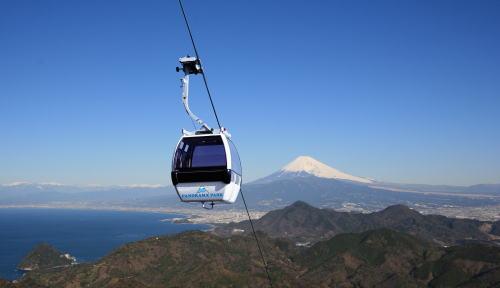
206,168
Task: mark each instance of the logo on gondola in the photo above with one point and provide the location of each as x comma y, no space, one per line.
202,193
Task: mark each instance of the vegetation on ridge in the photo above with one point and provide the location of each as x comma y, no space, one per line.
376,258
44,256
305,223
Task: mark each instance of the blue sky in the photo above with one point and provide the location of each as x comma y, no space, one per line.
400,91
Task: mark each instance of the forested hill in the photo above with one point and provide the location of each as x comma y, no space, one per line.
395,247
44,256
302,222
383,258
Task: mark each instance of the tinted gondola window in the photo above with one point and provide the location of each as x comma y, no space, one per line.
235,158
200,152
208,156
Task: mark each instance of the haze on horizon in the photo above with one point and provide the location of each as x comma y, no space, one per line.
403,92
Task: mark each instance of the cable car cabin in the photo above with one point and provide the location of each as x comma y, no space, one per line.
206,168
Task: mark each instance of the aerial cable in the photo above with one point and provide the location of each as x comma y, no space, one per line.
199,62
220,127
257,240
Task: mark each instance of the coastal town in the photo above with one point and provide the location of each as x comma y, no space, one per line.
183,215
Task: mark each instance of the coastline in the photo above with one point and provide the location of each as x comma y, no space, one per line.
219,217
192,216
13,250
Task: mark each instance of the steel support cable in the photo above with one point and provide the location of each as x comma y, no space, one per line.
202,71
257,240
220,127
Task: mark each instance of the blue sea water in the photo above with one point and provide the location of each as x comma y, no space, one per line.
85,234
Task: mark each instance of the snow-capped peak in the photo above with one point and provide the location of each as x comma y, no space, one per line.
314,167
19,184
143,186
15,184
51,184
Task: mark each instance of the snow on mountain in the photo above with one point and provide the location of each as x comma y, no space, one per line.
48,192
49,185
144,186
305,165
14,184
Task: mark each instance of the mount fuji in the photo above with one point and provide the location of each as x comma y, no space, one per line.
303,179
305,166
309,180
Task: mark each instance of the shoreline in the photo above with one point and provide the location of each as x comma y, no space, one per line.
192,216
214,218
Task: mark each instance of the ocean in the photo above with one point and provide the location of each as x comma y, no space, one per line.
85,234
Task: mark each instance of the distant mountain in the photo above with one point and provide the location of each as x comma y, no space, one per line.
349,195
314,182
484,189
302,222
488,189
304,166
42,193
376,258
302,179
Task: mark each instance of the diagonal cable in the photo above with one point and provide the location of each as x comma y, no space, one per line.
257,240
199,62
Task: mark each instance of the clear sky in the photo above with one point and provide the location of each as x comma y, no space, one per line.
400,91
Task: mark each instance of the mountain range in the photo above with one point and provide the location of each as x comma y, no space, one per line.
305,166
42,193
374,258
304,223
305,246
302,179
320,185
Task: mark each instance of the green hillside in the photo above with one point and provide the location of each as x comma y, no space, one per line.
43,256
302,222
377,258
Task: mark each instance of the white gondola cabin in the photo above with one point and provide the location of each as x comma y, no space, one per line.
205,166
